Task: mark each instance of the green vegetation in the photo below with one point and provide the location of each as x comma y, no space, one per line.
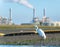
51,41
26,26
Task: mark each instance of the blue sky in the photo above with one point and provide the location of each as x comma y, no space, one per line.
23,14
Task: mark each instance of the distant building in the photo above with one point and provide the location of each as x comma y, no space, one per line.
36,21
3,20
45,20
57,23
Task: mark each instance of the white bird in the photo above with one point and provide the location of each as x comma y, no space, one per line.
40,32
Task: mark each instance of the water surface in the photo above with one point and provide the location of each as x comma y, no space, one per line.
25,46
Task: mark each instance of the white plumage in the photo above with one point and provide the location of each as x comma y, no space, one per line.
40,32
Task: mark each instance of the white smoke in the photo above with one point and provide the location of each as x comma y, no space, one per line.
23,2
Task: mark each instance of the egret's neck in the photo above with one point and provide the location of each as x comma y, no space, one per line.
37,28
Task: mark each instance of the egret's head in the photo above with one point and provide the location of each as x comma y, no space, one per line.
36,27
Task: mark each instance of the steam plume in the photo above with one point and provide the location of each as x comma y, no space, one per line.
23,2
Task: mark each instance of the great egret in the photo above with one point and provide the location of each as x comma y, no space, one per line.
40,32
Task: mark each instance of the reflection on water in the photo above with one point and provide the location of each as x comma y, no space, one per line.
25,46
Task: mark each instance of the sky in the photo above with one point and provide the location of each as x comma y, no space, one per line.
24,14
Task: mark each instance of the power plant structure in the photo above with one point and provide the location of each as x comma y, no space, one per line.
6,21
3,20
35,19
45,20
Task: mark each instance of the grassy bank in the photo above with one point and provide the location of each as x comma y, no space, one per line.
48,41
26,26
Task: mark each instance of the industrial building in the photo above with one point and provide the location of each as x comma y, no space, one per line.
56,23
3,20
36,21
45,20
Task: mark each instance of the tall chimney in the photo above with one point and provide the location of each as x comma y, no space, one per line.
10,16
34,13
44,12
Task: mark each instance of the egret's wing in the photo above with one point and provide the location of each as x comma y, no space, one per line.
39,32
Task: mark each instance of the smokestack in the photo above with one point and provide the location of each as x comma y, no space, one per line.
44,12
10,16
33,13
